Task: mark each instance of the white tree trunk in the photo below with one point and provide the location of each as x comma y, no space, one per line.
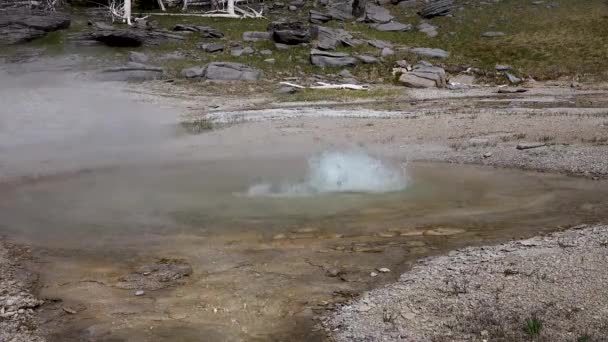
128,11
231,7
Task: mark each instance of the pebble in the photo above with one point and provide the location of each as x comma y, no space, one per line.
140,293
383,270
373,274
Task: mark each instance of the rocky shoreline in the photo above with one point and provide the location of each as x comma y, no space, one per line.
546,288
18,304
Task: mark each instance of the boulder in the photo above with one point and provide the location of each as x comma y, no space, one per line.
193,72
436,8
211,47
290,33
205,31
387,52
424,75
19,28
138,57
377,14
393,26
428,29
331,59
133,72
231,72
255,36
428,52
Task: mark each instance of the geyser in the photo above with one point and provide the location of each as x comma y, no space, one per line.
332,172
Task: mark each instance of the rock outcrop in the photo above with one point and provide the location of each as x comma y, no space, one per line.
228,71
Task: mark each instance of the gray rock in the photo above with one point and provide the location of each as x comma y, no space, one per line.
24,27
331,59
270,60
212,47
292,8
290,33
393,26
366,59
491,34
512,78
255,36
380,44
402,63
502,67
328,38
377,14
350,80
436,8
175,55
193,72
529,145
387,52
280,46
240,51
428,52
424,76
285,89
340,12
138,57
266,52
345,73
133,72
317,17
231,71
428,29
205,31
405,3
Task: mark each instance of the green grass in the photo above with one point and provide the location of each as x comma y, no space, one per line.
533,327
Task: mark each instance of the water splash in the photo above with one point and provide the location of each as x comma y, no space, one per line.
332,172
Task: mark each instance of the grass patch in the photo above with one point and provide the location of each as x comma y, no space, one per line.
533,327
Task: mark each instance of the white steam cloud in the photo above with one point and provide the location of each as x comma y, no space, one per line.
333,172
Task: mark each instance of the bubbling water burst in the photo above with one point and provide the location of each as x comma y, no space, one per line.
332,172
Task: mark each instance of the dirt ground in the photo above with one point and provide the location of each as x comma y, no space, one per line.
548,288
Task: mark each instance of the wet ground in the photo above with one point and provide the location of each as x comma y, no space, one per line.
115,198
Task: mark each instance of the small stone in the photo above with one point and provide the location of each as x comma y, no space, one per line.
292,8
139,293
484,333
492,34
502,67
387,52
383,270
345,73
487,154
512,78
280,236
270,60
70,310
333,272
266,52
373,274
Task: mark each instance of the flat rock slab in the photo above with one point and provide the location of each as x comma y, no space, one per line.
317,17
212,47
436,8
133,72
530,145
205,31
428,29
331,59
366,59
380,44
228,71
255,36
194,72
491,34
424,75
377,14
20,28
393,26
428,52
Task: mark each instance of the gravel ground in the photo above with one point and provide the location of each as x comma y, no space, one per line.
491,293
17,303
